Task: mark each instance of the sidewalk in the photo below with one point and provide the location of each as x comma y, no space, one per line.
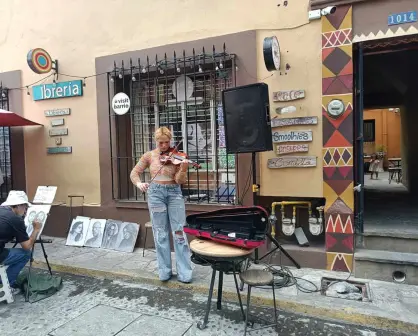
392,306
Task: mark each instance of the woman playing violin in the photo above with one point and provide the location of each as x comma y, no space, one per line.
166,205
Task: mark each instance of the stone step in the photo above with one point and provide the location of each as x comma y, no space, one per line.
396,267
396,241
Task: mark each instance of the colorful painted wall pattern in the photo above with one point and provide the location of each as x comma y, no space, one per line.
337,83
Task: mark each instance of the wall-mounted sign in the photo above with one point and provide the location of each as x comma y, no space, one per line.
335,108
271,53
57,90
57,122
121,103
292,136
401,18
59,150
57,112
284,96
286,109
40,62
58,132
287,149
283,122
292,162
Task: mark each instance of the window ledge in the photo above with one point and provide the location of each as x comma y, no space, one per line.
189,207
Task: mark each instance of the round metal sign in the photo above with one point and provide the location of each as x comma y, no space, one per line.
39,61
335,108
121,103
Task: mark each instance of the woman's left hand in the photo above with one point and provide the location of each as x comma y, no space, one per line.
184,165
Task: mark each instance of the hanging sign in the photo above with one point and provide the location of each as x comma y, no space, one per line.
401,18
292,162
286,109
57,112
57,90
57,122
59,150
58,132
282,122
39,61
121,103
288,95
287,149
292,136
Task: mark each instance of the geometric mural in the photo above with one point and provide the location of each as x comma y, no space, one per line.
337,147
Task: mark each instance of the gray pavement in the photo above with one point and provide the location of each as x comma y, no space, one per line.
390,306
90,306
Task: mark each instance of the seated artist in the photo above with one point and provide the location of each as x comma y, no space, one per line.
12,226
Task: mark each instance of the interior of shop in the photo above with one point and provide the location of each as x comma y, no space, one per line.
390,151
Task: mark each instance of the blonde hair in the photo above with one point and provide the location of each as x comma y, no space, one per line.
162,131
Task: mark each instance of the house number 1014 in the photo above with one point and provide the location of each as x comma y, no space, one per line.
400,18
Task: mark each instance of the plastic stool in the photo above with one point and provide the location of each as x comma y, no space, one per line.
7,291
254,278
148,226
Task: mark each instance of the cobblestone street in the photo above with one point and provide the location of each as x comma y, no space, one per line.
89,306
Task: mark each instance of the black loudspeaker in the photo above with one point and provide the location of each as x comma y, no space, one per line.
247,119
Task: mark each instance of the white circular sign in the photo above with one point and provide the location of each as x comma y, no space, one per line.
121,103
182,88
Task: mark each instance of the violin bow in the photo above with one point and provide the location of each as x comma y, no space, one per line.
161,167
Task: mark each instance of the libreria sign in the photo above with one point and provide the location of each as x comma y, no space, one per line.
57,90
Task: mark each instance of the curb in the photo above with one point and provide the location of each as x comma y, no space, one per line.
345,315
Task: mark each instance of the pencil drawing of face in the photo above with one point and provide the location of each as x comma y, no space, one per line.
128,232
40,216
31,216
96,229
77,231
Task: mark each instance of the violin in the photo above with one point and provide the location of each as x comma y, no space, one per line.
173,156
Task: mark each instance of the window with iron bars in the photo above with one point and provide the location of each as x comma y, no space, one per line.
5,144
185,95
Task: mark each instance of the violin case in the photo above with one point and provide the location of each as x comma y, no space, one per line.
239,226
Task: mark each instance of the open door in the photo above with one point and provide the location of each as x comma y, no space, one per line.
358,144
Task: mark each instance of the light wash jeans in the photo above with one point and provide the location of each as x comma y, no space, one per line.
16,260
167,210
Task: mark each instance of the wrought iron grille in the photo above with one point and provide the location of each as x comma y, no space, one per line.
183,93
5,150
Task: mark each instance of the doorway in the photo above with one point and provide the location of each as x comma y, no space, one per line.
387,146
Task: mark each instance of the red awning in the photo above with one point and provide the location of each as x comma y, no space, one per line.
9,119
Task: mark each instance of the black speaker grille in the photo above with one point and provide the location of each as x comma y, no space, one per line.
247,119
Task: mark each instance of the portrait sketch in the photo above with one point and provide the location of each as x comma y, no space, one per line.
95,232
39,213
78,231
111,232
128,232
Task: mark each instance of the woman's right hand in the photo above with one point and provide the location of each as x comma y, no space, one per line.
142,186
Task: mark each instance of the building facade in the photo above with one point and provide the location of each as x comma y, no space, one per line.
151,53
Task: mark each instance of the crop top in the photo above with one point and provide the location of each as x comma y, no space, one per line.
151,160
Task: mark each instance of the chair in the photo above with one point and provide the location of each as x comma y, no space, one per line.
7,291
254,278
148,226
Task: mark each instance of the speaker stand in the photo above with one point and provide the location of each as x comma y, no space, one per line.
256,188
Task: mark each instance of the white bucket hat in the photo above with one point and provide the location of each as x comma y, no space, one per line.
16,197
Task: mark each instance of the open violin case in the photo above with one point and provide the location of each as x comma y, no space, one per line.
240,226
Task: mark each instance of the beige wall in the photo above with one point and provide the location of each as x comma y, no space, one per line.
76,32
301,49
